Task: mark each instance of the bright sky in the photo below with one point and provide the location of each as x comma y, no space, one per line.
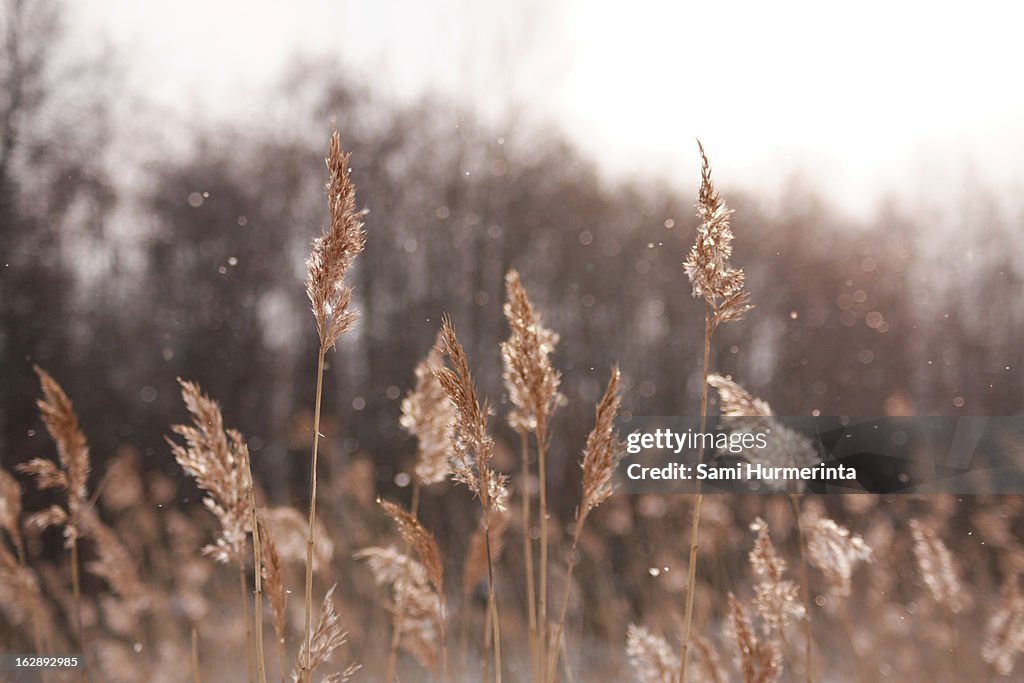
860,97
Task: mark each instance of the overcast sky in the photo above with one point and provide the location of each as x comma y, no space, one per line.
860,97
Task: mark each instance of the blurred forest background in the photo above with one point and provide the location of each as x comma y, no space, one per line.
137,249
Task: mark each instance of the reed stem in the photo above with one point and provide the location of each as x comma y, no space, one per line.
261,663
396,623
552,664
542,617
531,596
492,599
196,678
245,617
76,590
794,501
304,665
691,583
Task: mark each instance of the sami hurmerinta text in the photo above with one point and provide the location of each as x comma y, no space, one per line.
742,472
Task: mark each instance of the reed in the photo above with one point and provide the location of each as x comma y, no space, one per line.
532,386
71,476
218,459
712,278
329,296
600,458
472,452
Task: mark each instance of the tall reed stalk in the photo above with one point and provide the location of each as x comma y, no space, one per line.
329,296
600,457
528,568
721,286
805,584
532,385
71,476
427,414
472,452
219,460
257,558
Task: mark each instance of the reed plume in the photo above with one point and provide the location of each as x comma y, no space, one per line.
1004,632
937,567
218,459
72,476
273,576
714,279
834,550
425,547
21,597
427,414
328,636
411,594
939,572
758,659
650,656
10,512
472,450
786,448
532,386
600,458
329,296
776,597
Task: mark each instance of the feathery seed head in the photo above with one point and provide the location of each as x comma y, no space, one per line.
472,448
785,447
707,266
1004,633
428,415
530,380
650,655
328,636
759,661
776,598
72,450
937,567
603,450
835,551
10,507
273,578
411,592
218,460
420,540
334,251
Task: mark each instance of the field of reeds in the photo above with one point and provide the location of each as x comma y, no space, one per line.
480,569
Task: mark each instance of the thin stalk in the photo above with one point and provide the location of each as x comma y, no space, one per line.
279,648
794,501
862,672
492,600
76,590
565,660
261,663
196,678
304,668
248,624
552,665
37,633
691,583
531,596
485,661
951,622
396,623
542,619
444,637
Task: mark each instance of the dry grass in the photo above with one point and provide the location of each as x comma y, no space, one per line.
138,594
